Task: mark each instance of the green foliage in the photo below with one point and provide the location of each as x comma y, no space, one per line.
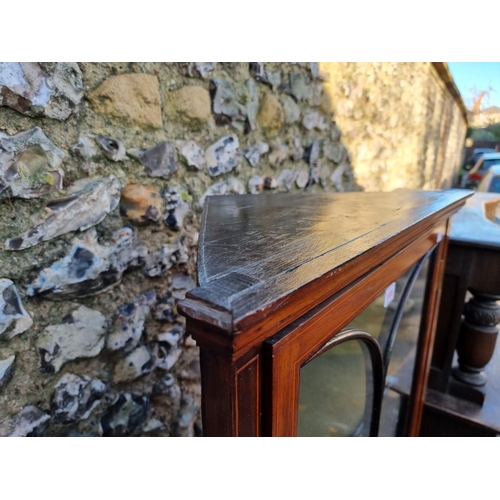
481,134
494,130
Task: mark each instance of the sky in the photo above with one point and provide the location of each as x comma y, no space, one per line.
480,75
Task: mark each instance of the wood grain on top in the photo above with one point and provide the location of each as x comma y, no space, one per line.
256,250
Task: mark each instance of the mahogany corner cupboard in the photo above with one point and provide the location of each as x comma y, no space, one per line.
309,307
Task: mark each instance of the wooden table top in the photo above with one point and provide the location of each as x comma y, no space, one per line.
473,224
255,250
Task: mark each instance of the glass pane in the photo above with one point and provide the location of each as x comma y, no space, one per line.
335,387
335,392
377,318
402,361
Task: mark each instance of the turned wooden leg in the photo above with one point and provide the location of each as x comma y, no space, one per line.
476,342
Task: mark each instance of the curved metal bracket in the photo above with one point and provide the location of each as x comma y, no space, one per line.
379,360
396,320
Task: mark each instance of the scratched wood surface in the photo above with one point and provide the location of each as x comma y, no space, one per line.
257,250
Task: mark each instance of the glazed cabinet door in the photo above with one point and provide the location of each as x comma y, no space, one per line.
336,372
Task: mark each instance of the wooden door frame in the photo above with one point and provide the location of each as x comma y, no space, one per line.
286,352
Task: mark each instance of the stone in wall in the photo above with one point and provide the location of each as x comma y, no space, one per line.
193,155
159,161
140,204
168,348
85,150
317,98
335,133
128,323
302,178
252,104
255,184
157,263
113,149
286,179
6,370
335,152
270,183
178,205
197,69
126,415
271,117
167,386
228,186
90,268
131,99
153,426
41,89
29,422
189,106
75,397
165,309
13,317
226,103
191,372
278,155
160,261
184,425
299,86
322,175
291,110
181,284
261,74
258,183
29,165
312,152
136,364
338,177
233,104
314,119
223,156
166,398
297,149
80,335
254,153
314,69
86,204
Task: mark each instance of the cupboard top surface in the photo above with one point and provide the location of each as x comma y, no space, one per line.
254,250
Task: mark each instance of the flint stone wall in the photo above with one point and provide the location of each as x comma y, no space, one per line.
104,169
401,123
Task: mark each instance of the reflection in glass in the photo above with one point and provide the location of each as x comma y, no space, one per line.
402,360
335,386
335,392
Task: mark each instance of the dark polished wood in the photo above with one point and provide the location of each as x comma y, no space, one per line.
477,338
452,416
280,275
426,338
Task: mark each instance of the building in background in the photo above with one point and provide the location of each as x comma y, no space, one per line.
487,116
